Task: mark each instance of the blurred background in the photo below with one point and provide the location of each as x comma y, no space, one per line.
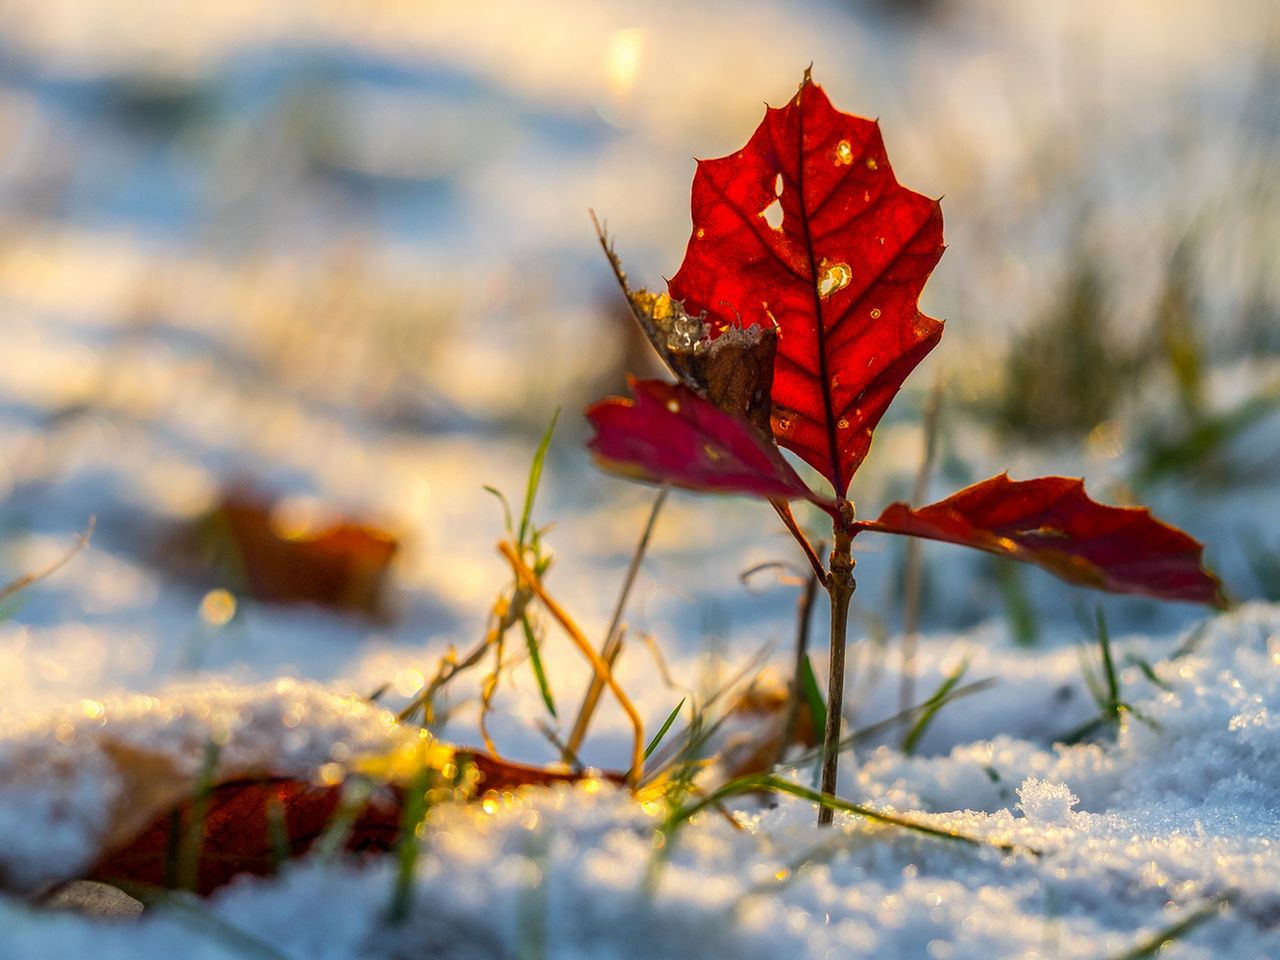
323,269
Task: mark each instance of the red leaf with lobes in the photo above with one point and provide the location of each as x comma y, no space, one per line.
1053,523
839,274
669,434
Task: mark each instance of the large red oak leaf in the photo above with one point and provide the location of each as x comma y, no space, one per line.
669,434
1053,523
806,228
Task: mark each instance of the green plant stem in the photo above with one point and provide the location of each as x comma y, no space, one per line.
840,587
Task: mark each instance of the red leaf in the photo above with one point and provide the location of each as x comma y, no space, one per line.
669,434
839,274
237,840
1053,523
341,565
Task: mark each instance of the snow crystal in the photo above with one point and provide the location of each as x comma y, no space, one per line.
1045,801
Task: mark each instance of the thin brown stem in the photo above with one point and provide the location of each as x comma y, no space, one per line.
26,580
804,616
506,614
789,521
913,578
840,587
488,688
613,636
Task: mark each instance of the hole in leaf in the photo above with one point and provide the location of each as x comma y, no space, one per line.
773,215
773,212
844,154
834,277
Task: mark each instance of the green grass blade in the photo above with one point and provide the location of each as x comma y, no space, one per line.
813,695
1148,670
355,798
1108,664
1155,944
1092,681
416,805
535,661
532,907
662,731
1086,729
862,734
776,784
193,832
931,708
173,850
1024,626
278,833
535,478
779,785
700,730
1264,564
506,507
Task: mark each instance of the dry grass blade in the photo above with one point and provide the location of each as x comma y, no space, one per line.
913,579
488,688
505,616
613,636
26,580
528,579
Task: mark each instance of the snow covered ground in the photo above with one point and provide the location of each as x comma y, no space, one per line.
346,256
1176,817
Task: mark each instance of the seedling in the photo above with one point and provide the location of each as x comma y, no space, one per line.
792,323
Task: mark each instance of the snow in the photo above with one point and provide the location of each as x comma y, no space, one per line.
1046,801
1179,811
347,257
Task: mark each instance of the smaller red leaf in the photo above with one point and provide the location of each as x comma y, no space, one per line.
340,564
669,434
1053,523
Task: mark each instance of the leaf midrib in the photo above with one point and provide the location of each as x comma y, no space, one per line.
824,376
